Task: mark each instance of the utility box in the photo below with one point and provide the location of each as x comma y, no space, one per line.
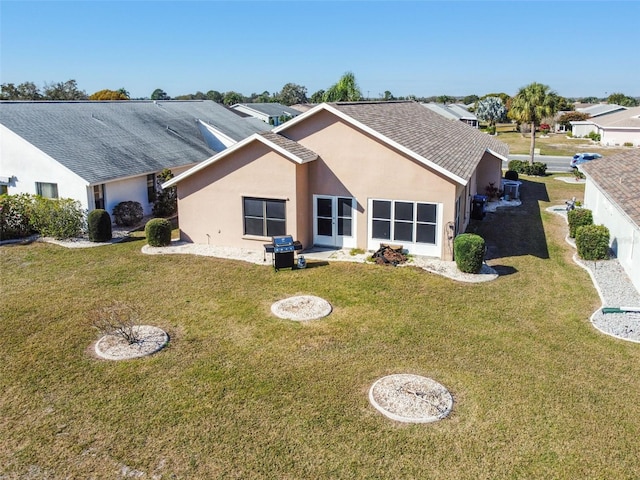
478,205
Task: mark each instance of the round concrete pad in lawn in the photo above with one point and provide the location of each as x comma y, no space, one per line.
410,398
302,307
115,347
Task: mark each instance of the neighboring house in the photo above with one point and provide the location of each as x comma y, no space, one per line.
619,128
270,113
103,153
345,175
611,193
454,111
585,127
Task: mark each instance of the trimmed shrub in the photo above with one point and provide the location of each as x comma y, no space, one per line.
158,232
511,175
523,167
127,214
578,217
516,165
592,242
58,218
99,225
15,211
468,250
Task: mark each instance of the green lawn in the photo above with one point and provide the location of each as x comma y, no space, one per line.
539,393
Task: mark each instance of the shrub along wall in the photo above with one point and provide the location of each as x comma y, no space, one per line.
468,250
578,217
592,242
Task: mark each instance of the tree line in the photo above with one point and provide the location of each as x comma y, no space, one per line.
345,89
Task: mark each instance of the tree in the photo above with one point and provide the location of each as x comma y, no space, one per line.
264,97
292,94
231,98
107,94
622,99
530,105
345,90
215,96
469,99
64,91
589,100
317,97
445,99
159,94
388,96
568,117
24,91
492,110
166,203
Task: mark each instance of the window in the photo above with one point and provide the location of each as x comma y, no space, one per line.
264,217
47,190
151,187
3,189
98,196
400,221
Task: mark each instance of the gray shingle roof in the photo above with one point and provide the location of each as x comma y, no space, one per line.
102,141
454,146
271,109
618,177
303,153
600,109
629,118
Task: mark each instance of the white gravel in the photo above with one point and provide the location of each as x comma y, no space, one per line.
615,290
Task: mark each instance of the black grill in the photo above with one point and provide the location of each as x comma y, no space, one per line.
283,250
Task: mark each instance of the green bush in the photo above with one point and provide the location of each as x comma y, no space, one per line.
523,167
99,225
468,250
166,203
158,232
592,242
15,212
578,217
627,144
58,218
516,165
127,214
594,136
511,175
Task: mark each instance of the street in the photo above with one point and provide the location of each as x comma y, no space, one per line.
554,163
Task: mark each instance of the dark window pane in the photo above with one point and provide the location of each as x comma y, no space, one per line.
253,207
253,226
425,233
344,227
381,209
324,207
325,227
381,229
344,207
276,227
275,209
403,211
403,231
427,212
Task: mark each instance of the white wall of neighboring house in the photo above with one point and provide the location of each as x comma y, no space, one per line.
619,136
28,165
254,113
582,129
624,234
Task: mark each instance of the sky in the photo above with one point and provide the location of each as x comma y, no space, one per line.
422,48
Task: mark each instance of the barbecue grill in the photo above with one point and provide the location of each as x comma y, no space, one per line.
282,249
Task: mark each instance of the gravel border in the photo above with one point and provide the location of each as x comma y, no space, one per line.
615,290
410,398
114,347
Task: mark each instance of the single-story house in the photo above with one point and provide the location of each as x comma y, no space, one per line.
612,194
271,113
585,127
103,153
344,175
619,128
454,111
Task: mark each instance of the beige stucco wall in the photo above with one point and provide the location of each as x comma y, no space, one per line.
355,164
210,202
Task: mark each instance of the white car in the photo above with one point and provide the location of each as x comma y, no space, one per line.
579,158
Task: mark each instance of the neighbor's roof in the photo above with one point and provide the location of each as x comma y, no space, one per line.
271,109
629,118
452,148
452,111
618,177
600,109
102,141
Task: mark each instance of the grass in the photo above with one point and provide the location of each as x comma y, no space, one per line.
539,393
555,144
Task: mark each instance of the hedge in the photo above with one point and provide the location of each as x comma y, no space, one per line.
469,250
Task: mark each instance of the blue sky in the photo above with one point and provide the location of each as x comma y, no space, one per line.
584,48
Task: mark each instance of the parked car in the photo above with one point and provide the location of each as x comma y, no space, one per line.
579,158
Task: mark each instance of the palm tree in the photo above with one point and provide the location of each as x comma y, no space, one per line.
345,90
530,105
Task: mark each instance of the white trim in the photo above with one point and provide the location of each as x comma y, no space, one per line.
415,248
336,240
